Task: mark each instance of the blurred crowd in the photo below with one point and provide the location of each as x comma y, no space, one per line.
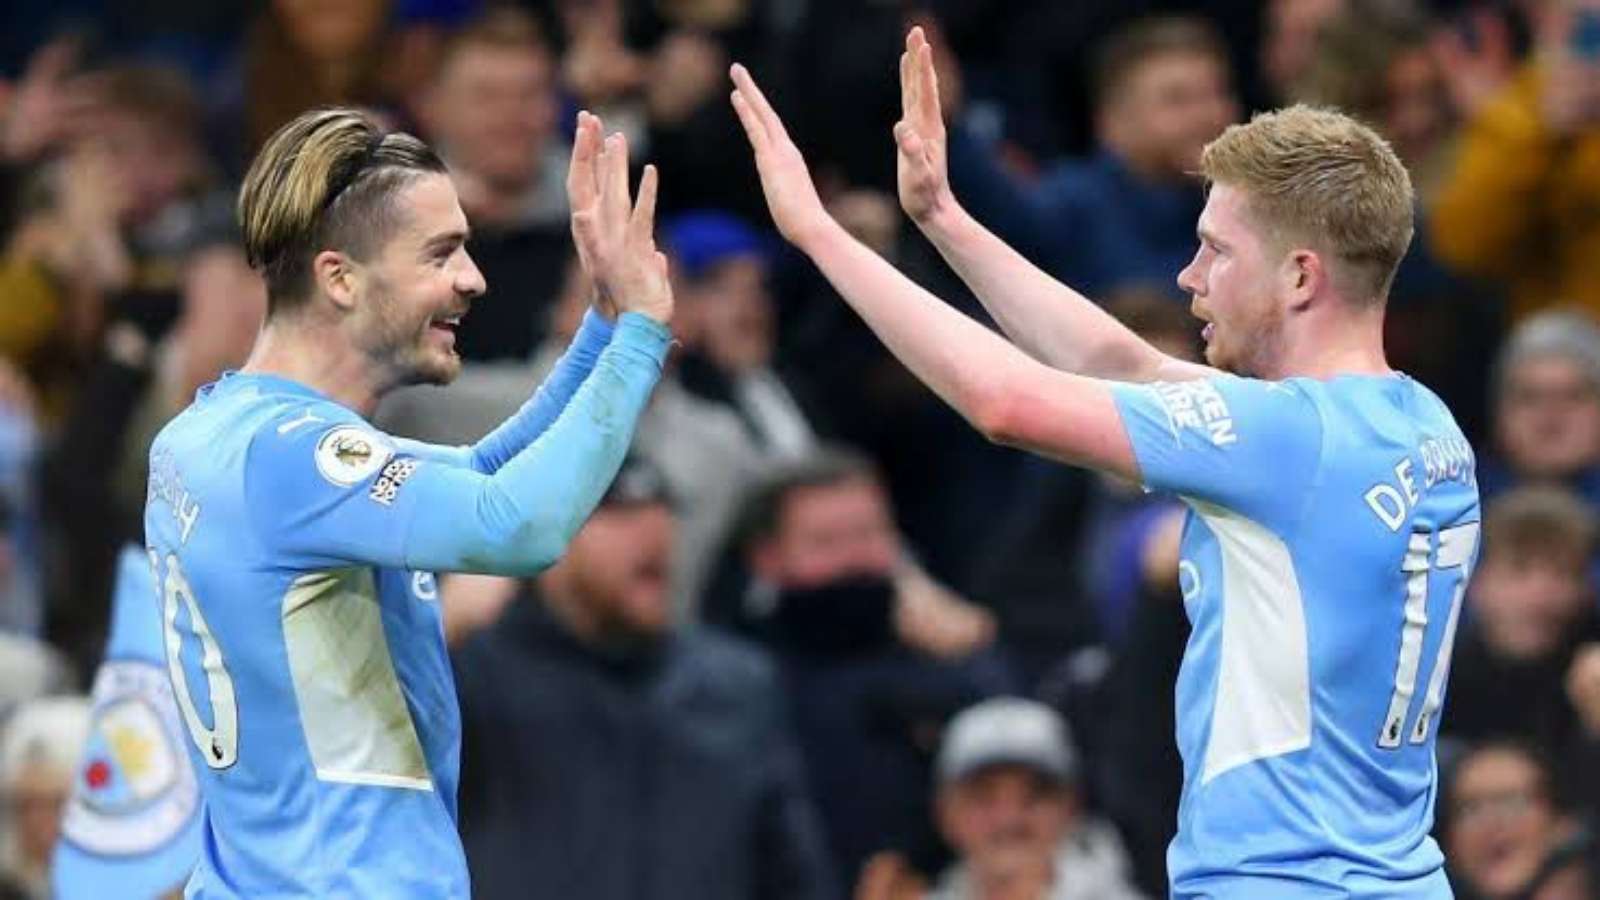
821,640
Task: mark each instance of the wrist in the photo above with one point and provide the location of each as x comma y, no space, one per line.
944,220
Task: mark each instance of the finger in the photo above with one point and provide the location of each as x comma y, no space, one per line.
614,203
752,125
928,88
908,102
582,191
642,225
758,102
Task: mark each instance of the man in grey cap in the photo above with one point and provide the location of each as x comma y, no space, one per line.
1007,802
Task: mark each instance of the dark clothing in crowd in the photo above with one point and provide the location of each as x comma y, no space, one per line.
1092,224
1128,735
1493,697
652,772
523,267
869,713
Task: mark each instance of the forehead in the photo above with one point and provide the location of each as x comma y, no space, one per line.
1224,212
429,207
1496,769
480,56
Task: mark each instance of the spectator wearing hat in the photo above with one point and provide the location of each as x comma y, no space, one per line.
610,754
724,414
1007,802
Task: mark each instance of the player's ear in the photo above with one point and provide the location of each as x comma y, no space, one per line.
1301,277
336,276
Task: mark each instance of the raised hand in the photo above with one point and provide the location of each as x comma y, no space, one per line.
921,168
791,195
615,235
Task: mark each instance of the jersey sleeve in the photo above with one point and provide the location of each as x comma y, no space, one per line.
568,374
346,493
1244,444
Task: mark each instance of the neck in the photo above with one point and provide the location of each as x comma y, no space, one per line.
318,355
1332,344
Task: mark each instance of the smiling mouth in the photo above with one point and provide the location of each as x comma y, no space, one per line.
447,324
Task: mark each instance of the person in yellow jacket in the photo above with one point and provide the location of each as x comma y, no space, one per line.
1522,203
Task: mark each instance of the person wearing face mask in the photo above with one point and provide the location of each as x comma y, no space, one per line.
827,596
658,750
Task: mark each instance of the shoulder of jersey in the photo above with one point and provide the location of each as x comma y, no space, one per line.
345,449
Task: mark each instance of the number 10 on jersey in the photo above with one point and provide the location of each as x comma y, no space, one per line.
1453,557
219,744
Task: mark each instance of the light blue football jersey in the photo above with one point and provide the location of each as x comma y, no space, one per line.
1332,528
294,547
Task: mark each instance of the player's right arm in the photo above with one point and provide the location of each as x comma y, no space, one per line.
1051,321
1007,395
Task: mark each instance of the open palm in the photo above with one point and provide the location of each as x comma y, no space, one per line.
613,233
791,195
921,169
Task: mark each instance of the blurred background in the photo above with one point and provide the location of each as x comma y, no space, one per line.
767,666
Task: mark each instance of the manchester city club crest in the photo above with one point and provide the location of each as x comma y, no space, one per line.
136,788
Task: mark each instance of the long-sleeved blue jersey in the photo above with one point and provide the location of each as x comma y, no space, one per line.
294,547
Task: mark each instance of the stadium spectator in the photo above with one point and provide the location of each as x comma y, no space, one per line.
299,55
39,752
1510,832
1009,803
634,758
1380,61
820,541
1519,204
1530,613
491,107
1546,389
725,415
1125,215
1289,42
29,669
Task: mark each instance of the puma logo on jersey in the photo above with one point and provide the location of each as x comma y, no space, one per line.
304,419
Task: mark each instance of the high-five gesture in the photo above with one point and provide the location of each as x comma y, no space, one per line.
614,234
785,180
921,168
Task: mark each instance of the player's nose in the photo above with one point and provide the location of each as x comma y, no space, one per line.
470,281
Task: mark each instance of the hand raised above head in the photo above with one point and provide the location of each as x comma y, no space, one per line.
614,234
791,194
921,169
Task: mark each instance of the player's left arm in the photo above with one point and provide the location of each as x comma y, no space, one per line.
524,427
